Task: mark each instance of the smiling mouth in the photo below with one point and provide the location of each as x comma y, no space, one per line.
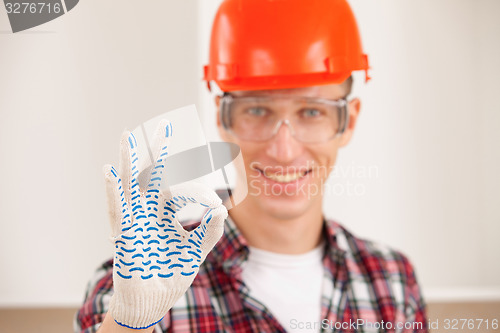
284,178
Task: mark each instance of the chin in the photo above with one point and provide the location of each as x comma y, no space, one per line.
283,210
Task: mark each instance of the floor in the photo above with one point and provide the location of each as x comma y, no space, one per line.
55,320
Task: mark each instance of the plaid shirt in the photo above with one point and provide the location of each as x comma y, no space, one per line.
362,281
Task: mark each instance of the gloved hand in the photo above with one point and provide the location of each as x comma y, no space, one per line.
155,260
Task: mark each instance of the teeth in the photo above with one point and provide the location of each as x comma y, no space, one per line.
290,177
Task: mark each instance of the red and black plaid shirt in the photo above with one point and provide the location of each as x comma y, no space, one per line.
362,281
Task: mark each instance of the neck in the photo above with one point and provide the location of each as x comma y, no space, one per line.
267,232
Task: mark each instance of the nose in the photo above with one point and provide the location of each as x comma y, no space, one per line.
283,147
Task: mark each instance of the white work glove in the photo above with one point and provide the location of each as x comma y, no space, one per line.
155,260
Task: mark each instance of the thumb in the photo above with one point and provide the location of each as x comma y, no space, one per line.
212,227
113,190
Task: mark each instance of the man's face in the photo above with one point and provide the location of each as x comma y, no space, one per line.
285,176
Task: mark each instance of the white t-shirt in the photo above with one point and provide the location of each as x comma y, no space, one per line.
288,285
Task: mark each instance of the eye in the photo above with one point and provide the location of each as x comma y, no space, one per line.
256,111
310,113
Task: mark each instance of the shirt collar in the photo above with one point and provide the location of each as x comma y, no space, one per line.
334,236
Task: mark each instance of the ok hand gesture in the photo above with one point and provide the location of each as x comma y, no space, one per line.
155,260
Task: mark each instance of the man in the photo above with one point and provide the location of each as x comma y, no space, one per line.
284,68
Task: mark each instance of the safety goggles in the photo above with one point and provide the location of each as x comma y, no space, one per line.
259,118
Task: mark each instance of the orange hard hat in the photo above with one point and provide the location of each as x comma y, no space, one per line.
277,44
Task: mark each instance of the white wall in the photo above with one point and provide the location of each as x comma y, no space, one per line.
430,124
428,133
67,90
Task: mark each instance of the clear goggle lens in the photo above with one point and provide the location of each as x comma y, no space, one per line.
259,118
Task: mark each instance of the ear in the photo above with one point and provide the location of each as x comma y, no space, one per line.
217,104
353,108
222,132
